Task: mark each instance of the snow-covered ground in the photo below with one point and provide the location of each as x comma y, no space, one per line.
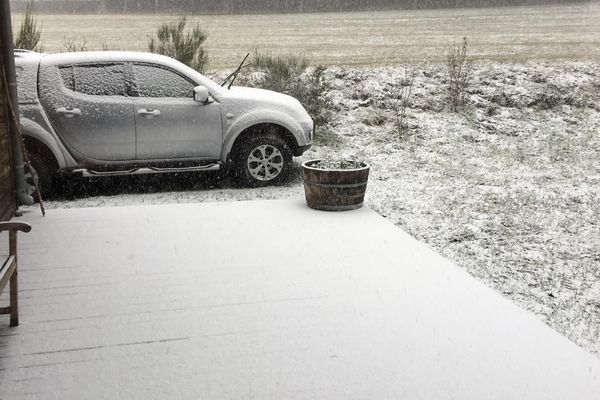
508,188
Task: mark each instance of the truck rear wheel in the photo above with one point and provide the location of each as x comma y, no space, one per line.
45,174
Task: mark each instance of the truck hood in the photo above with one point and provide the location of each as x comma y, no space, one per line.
263,96
242,107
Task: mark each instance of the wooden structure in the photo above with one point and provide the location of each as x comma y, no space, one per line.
7,196
8,264
8,269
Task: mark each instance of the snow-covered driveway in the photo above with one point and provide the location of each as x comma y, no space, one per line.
266,300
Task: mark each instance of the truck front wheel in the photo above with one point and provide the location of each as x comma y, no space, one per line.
263,160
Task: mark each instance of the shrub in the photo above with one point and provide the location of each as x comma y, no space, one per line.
550,97
459,74
326,136
29,35
280,72
375,117
73,43
402,102
291,75
311,92
172,41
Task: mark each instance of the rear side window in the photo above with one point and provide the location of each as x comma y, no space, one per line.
66,74
27,82
154,81
96,80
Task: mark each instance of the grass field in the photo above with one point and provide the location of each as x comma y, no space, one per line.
366,38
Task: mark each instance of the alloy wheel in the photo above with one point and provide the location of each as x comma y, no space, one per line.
265,163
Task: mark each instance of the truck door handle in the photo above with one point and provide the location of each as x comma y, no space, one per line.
68,112
148,113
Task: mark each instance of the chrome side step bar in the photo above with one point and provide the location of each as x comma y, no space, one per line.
149,170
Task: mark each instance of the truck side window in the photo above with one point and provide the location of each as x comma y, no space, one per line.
96,80
27,83
154,81
66,74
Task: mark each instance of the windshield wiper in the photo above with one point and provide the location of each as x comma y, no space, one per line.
235,73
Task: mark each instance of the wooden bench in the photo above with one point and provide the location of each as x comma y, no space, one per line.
8,269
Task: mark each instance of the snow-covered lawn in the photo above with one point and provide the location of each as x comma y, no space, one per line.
509,188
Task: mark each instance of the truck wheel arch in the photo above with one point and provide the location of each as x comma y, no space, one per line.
256,129
35,146
37,139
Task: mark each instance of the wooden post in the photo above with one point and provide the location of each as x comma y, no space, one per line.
14,288
8,200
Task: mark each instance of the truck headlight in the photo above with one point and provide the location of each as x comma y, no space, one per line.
309,129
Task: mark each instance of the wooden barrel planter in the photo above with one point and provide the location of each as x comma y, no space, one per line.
335,189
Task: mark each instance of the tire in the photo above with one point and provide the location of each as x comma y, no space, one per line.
45,175
262,160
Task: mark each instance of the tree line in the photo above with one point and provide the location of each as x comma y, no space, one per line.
258,6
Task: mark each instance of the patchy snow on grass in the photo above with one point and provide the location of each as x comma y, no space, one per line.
508,188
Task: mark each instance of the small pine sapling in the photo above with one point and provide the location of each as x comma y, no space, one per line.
186,47
29,35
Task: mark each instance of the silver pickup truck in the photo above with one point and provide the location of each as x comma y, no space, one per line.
123,113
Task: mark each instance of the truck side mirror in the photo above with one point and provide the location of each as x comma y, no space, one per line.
201,94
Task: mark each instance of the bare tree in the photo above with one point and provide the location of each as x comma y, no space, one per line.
402,103
459,74
74,43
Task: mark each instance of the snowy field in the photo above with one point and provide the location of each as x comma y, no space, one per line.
371,38
508,188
